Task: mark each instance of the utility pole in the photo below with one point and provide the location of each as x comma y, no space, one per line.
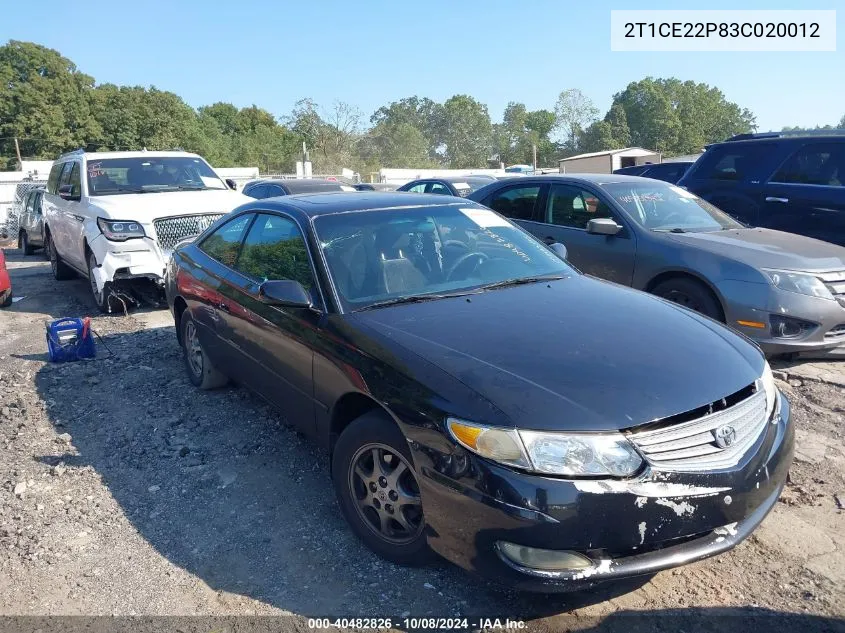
534,150
18,152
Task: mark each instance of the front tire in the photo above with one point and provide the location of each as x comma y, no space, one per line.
691,294
376,486
61,271
103,297
6,298
201,371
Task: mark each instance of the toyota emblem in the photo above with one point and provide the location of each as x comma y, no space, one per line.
725,436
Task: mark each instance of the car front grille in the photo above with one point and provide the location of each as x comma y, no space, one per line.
692,445
170,231
835,282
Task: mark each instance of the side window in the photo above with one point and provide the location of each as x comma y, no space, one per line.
420,188
273,191
574,207
75,181
36,206
30,202
730,163
53,180
224,244
816,164
64,179
516,202
257,192
275,249
438,187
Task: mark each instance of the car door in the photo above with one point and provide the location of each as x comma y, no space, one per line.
76,221
26,212
567,212
211,297
807,193
277,342
37,234
62,215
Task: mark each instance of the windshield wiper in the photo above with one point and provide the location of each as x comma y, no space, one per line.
125,190
519,281
415,299
676,229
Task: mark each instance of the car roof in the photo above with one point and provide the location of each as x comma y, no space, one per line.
800,138
595,179
89,156
316,204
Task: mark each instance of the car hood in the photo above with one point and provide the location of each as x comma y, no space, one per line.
146,207
765,248
575,354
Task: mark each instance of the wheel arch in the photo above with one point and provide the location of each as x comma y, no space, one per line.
348,408
666,275
179,307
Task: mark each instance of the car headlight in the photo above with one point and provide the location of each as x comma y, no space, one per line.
569,454
769,387
120,230
802,283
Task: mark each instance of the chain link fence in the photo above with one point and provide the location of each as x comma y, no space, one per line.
12,195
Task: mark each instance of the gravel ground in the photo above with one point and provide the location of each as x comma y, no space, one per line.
125,491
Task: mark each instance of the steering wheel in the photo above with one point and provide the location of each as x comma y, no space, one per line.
674,214
463,259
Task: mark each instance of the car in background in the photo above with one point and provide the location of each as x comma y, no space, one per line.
374,186
480,397
31,222
5,283
667,172
272,188
782,181
460,186
785,291
114,217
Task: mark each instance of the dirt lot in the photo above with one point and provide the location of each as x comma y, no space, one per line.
125,491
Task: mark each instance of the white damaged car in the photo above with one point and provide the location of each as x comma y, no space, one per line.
114,217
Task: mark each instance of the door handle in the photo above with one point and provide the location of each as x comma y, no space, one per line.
224,306
774,199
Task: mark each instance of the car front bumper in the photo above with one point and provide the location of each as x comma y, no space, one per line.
133,259
626,528
759,303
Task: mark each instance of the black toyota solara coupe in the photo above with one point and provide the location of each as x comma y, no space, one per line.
478,396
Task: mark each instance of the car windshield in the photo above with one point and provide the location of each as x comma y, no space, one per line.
663,207
385,255
112,176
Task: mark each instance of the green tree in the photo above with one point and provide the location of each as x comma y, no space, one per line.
574,112
419,112
678,117
841,124
465,132
44,101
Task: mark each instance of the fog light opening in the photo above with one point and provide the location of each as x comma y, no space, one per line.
789,327
543,559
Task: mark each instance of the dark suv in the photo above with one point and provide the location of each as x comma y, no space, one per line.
789,183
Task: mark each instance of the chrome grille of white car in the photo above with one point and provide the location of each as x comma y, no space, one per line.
835,282
692,445
170,231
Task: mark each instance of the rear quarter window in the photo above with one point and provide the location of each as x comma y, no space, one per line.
734,162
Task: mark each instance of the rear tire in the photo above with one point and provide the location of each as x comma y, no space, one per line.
380,499
6,298
26,247
61,271
201,371
691,294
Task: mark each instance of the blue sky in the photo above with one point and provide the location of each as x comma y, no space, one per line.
272,53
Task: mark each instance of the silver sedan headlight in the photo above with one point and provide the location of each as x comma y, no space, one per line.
769,387
550,453
802,283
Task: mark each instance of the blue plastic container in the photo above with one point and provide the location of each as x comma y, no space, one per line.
70,339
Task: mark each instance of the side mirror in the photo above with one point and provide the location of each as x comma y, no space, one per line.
286,293
66,193
559,249
603,226
231,184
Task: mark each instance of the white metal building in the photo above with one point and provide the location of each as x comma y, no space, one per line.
608,161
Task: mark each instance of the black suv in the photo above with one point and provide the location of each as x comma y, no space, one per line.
667,172
793,183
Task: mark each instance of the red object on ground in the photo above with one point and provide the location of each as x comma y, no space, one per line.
5,283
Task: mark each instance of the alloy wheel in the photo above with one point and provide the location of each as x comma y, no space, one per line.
193,349
386,493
